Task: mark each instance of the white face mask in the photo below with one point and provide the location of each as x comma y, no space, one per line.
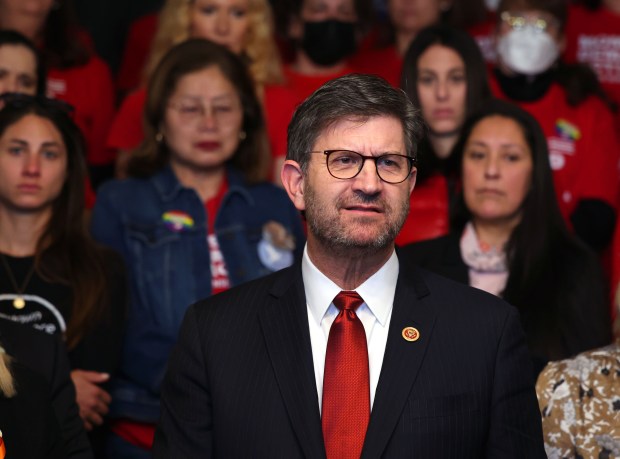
528,50
491,4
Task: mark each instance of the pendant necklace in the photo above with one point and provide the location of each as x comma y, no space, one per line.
19,302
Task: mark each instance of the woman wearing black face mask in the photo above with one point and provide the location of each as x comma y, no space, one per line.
324,40
583,142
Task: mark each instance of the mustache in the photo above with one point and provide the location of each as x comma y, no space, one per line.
359,197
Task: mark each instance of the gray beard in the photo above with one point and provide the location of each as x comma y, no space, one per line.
338,242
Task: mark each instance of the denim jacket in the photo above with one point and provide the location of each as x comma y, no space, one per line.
160,228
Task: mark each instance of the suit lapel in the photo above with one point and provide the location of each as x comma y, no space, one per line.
284,321
402,360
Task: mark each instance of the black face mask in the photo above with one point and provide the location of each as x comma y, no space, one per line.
329,42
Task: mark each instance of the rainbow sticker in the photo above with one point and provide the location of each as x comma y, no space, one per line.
567,130
177,221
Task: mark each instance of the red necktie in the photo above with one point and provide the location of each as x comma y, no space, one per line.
346,389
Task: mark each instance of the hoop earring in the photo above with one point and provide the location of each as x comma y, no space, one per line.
159,137
242,135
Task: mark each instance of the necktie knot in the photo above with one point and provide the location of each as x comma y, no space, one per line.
348,300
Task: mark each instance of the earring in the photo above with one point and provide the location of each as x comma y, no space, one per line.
242,135
159,137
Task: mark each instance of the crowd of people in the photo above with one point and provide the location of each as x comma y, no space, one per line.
127,196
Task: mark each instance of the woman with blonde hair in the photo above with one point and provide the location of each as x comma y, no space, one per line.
243,26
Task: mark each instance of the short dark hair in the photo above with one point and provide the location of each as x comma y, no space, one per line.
363,9
351,97
188,57
13,38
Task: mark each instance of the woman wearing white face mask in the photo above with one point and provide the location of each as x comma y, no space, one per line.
582,139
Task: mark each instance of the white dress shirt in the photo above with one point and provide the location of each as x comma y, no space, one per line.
375,314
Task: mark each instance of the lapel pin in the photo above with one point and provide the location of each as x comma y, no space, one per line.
411,334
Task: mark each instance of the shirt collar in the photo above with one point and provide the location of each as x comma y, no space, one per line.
168,186
377,291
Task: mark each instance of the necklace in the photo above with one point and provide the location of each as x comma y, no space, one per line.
19,302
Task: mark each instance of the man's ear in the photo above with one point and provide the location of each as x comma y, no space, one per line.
412,179
293,182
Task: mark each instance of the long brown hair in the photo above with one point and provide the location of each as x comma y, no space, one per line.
65,252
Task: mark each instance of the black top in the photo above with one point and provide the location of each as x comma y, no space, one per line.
567,314
49,306
46,355
29,427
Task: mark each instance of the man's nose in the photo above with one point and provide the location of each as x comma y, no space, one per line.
368,180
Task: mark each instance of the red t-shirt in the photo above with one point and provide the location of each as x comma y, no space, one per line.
484,34
279,104
126,131
137,48
428,215
89,89
304,85
385,62
583,147
219,274
593,37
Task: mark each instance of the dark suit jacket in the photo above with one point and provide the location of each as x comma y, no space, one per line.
46,355
570,316
29,426
241,383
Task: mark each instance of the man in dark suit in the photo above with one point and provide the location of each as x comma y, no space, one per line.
348,354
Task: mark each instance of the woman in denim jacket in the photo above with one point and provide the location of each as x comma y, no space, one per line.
195,219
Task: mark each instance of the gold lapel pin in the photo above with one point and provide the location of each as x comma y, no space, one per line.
411,334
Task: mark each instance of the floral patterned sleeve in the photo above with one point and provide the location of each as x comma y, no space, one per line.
579,401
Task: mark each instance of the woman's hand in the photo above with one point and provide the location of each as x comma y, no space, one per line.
92,399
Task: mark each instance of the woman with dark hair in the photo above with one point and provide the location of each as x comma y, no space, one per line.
508,237
569,104
194,218
21,69
243,26
55,278
445,76
75,73
405,20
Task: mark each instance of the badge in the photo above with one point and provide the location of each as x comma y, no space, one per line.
567,130
411,334
177,221
275,249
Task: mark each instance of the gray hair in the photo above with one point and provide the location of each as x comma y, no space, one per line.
351,97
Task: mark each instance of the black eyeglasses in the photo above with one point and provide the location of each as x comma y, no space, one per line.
20,100
346,164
